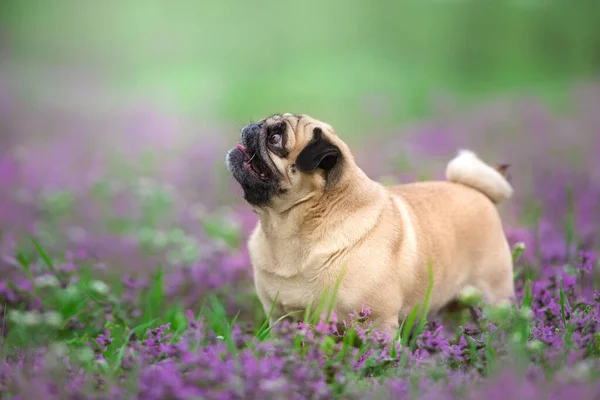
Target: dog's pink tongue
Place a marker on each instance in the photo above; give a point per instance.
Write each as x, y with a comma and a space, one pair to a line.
241, 147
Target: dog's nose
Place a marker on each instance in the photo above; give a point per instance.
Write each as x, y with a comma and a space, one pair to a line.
251, 130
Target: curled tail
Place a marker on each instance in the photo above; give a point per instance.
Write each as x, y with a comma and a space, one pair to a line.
468, 169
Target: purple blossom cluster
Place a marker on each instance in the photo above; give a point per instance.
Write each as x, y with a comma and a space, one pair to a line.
126, 276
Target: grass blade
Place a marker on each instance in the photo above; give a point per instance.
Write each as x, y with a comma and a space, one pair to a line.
528, 296
155, 296
3, 326
307, 312
562, 307
407, 326
121, 352
265, 325
569, 222
336, 289
266, 332
43, 254
26, 265
518, 251
423, 317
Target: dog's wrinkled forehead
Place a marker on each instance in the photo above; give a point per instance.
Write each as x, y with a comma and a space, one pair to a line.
299, 127
284, 117
291, 120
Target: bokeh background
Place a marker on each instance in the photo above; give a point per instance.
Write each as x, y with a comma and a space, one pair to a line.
115, 116
353, 63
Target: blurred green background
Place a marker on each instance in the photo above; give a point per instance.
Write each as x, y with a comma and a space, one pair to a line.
360, 65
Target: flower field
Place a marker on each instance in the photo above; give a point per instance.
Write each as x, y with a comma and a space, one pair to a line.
124, 272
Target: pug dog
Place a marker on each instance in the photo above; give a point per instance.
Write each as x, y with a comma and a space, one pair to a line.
322, 220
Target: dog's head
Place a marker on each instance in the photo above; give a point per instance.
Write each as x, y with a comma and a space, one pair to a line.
287, 159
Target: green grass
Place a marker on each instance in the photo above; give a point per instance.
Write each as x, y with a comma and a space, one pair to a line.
513, 322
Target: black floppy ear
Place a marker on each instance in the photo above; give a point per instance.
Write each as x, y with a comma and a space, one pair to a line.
319, 153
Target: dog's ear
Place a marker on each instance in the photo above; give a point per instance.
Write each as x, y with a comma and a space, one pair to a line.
319, 153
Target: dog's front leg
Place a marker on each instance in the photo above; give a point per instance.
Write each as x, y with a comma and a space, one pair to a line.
389, 325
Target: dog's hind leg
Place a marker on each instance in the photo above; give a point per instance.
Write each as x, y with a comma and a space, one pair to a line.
499, 285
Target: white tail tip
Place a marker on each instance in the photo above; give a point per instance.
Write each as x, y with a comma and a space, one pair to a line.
468, 169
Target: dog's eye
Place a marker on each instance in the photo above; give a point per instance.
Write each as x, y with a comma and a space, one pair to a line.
275, 139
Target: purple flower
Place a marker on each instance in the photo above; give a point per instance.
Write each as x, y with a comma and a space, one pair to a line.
104, 339
433, 340
568, 280
586, 261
